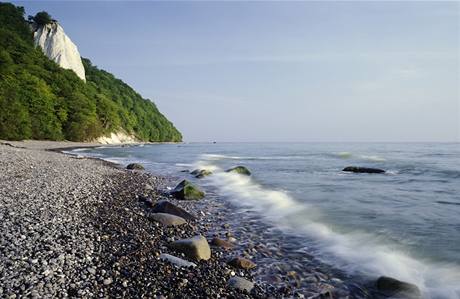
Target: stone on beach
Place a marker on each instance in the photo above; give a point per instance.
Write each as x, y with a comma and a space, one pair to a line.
176, 260
135, 166
240, 170
242, 263
201, 173
167, 207
357, 169
187, 191
396, 288
221, 243
196, 248
167, 219
241, 284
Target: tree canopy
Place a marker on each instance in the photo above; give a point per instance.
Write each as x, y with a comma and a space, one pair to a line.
42, 18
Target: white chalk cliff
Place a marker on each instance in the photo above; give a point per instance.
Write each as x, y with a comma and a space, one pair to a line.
58, 47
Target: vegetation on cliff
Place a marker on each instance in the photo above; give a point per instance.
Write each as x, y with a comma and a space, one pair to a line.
40, 100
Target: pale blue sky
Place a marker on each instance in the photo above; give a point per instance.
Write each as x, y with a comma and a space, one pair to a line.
281, 71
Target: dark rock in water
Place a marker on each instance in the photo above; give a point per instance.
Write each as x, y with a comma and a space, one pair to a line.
221, 243
187, 191
135, 166
240, 170
242, 263
201, 173
398, 289
167, 219
165, 206
196, 248
241, 284
363, 169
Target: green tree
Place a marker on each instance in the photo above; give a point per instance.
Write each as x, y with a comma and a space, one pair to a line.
42, 18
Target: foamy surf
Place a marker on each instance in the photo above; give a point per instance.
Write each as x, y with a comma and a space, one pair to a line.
356, 252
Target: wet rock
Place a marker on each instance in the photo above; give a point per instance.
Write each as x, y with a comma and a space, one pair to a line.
201, 173
196, 248
222, 243
396, 288
239, 169
241, 284
362, 169
187, 191
167, 219
242, 263
176, 261
167, 207
135, 166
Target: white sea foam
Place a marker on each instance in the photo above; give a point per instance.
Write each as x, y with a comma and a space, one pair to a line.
357, 252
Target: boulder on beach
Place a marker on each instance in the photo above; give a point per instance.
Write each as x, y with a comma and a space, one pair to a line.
221, 243
164, 206
242, 263
241, 284
176, 260
398, 289
201, 173
135, 166
357, 169
187, 191
240, 170
167, 219
195, 248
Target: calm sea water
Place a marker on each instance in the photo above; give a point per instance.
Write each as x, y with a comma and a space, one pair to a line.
404, 223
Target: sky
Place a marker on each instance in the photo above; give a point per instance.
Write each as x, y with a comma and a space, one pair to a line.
281, 71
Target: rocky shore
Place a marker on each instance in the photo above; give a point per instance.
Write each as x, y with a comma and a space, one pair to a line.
82, 227
75, 227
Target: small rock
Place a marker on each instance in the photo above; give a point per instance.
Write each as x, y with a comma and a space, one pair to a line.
240, 170
167, 219
221, 243
362, 169
187, 191
107, 281
167, 207
242, 263
195, 248
176, 261
396, 288
135, 166
241, 284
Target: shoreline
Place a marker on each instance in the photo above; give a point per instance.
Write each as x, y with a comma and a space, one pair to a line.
92, 235
127, 206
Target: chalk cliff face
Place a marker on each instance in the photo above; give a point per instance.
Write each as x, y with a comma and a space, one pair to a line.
58, 47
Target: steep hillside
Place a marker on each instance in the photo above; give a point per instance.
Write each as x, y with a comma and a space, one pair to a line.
41, 100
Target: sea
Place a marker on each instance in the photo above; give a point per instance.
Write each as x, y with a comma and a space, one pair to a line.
404, 223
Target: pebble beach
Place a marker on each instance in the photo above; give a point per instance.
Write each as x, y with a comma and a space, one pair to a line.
77, 227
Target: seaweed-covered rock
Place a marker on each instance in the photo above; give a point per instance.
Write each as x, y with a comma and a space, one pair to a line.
240, 170
187, 191
201, 173
396, 288
196, 248
357, 169
135, 166
164, 206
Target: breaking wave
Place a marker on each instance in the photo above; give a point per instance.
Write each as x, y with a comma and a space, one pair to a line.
356, 252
